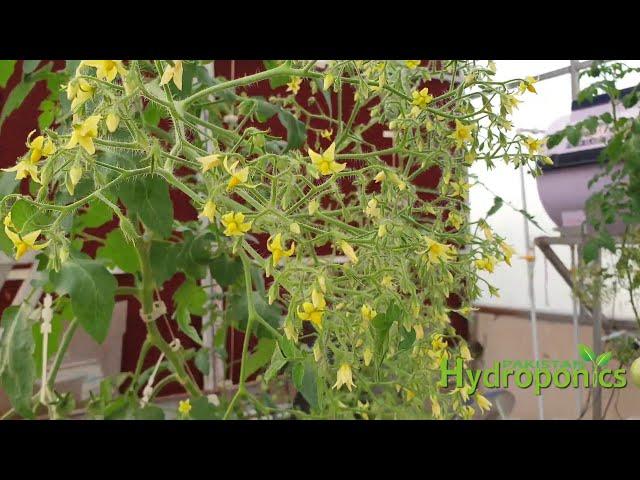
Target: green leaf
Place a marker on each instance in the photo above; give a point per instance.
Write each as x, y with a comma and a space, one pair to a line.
119, 251
497, 205
15, 99
407, 339
17, 370
237, 312
6, 70
308, 385
148, 197
29, 66
296, 132
586, 353
573, 135
8, 183
45, 119
95, 216
278, 80
590, 250
277, 363
297, 375
189, 299
195, 254
225, 270
260, 356
163, 258
150, 412
555, 139
152, 114
604, 358
203, 409
92, 289
202, 360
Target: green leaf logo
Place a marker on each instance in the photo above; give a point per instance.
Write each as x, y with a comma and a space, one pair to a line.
586, 353
603, 359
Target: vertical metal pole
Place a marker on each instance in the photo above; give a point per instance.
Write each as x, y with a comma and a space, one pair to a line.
597, 341
576, 331
532, 298
575, 79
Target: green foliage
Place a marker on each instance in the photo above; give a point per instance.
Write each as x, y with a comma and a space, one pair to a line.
17, 371
92, 289
147, 198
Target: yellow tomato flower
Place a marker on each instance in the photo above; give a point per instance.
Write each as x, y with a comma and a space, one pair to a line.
368, 356
75, 174
367, 313
314, 205
278, 252
184, 407
508, 252
40, 147
396, 180
107, 69
437, 252
412, 64
313, 311
8, 222
294, 85
79, 91
462, 133
469, 158
209, 211
173, 72
24, 169
344, 377
527, 84
435, 407
465, 353
486, 263
290, 331
387, 282
295, 228
349, 251
24, 243
488, 234
382, 230
437, 342
235, 224
483, 403
421, 98
509, 102
380, 177
454, 219
84, 134
326, 162
329, 78
317, 352
419, 331
209, 162
112, 122
372, 210
533, 144
238, 176
326, 134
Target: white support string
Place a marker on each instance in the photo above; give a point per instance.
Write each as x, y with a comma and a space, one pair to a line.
532, 298
45, 329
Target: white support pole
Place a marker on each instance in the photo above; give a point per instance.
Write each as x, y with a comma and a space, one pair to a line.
576, 331
216, 370
532, 298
